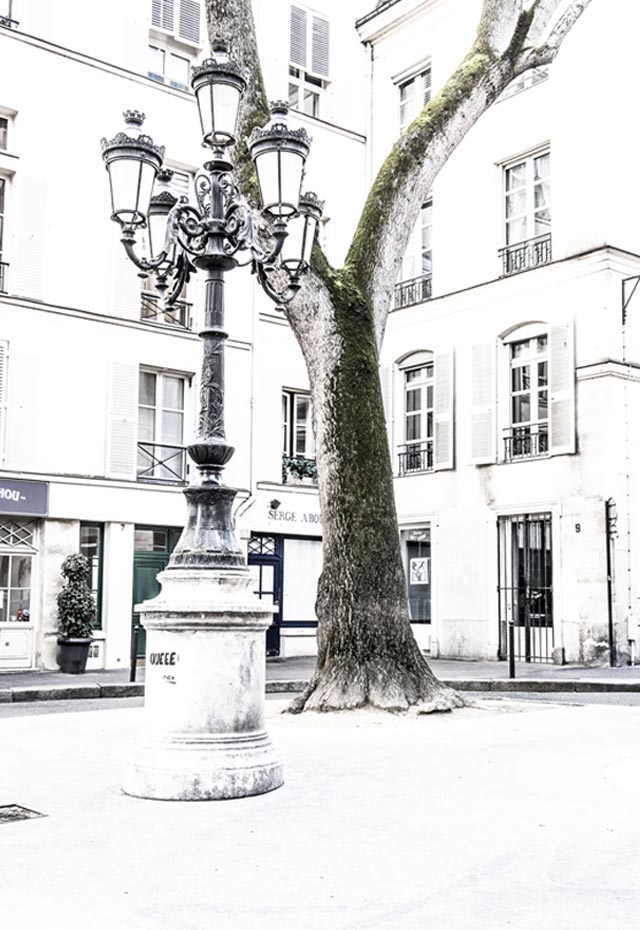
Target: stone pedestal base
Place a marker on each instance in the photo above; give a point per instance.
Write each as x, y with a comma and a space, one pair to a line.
204, 736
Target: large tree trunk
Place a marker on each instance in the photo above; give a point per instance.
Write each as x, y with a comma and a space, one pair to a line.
367, 654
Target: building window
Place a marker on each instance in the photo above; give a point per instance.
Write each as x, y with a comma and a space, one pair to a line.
528, 435
17, 548
4, 133
169, 68
91, 546
527, 213
417, 555
413, 95
417, 452
308, 60
175, 29
298, 448
529, 79
3, 264
161, 453
415, 283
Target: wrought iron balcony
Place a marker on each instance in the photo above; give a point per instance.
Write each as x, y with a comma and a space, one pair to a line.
526, 442
415, 457
521, 256
413, 291
160, 462
298, 467
179, 314
3, 277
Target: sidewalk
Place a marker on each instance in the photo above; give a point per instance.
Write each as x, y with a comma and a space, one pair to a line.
291, 675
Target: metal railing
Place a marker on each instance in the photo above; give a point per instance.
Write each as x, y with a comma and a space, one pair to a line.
298, 467
526, 442
413, 291
161, 462
3, 277
178, 315
415, 457
524, 255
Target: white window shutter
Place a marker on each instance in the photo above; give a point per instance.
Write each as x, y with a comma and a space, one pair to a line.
320, 46
123, 415
156, 13
443, 411
4, 359
562, 426
385, 387
189, 21
298, 37
162, 14
483, 396
31, 198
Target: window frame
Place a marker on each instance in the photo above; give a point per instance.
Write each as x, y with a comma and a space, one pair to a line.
291, 424
158, 470
99, 568
530, 212
409, 80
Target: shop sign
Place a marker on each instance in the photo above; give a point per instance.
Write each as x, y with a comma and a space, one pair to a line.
292, 517
29, 498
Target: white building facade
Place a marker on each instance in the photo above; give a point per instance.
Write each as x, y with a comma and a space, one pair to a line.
509, 369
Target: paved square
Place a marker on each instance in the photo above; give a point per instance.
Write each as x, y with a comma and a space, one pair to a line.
504, 815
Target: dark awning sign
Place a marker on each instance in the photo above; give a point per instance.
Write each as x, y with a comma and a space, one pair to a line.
29, 498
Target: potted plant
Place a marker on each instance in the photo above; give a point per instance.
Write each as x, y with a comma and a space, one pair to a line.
76, 611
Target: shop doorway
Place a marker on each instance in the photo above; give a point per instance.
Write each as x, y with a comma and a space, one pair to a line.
525, 572
153, 546
265, 564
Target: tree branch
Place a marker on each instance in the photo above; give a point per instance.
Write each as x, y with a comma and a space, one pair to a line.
545, 53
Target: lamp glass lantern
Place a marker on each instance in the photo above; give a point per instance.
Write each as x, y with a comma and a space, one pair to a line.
301, 229
218, 84
279, 154
133, 161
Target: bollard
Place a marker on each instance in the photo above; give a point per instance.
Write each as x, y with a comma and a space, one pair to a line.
134, 653
512, 650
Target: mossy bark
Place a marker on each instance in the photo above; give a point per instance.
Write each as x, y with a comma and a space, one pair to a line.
367, 654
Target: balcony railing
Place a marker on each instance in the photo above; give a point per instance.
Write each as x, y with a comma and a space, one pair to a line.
415, 457
298, 467
524, 255
3, 277
413, 291
160, 462
178, 315
526, 442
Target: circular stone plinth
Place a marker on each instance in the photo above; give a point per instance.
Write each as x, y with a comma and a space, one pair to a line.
192, 767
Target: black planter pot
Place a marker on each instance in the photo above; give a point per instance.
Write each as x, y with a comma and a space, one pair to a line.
73, 654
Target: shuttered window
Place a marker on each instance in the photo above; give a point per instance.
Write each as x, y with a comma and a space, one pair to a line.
424, 412
182, 18
123, 394
309, 41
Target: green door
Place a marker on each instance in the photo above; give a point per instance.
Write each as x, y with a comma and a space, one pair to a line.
152, 549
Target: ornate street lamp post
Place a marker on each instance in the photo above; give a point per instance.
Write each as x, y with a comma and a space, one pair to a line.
204, 690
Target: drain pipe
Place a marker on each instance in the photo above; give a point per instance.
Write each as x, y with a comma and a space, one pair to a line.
609, 519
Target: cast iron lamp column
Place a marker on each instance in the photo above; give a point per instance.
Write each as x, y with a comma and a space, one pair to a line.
204, 735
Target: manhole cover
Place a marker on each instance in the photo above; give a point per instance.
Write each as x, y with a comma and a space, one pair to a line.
11, 812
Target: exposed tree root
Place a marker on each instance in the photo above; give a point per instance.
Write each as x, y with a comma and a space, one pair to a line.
393, 690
